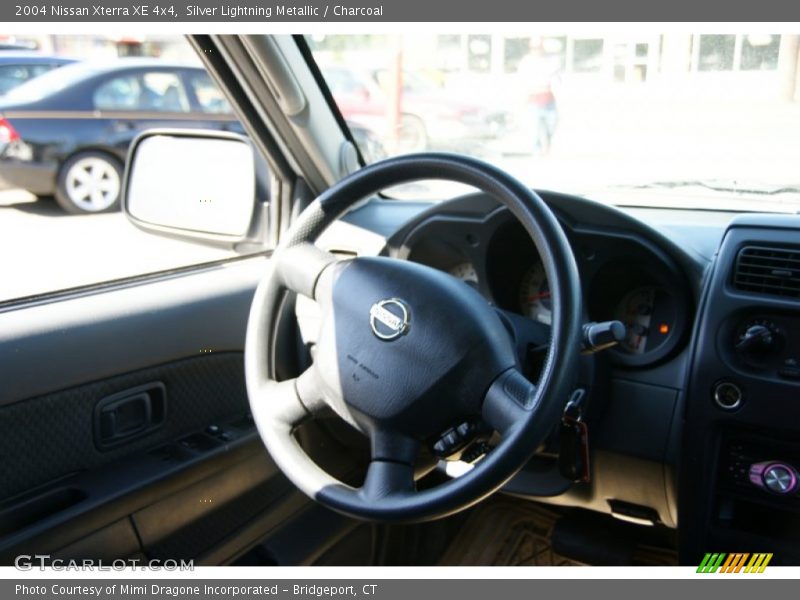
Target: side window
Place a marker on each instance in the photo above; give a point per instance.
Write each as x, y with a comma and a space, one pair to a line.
95, 105
163, 92
209, 96
148, 92
120, 93
12, 76
36, 70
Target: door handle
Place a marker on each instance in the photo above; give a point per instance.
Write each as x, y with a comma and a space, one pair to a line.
129, 415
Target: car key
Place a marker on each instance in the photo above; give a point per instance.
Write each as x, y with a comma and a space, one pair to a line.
573, 457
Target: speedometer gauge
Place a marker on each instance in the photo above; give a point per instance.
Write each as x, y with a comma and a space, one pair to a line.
466, 272
635, 310
534, 295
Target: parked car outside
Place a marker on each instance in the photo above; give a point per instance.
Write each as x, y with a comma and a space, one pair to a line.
67, 132
17, 68
430, 116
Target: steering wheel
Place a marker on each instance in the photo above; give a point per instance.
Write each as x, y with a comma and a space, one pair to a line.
407, 353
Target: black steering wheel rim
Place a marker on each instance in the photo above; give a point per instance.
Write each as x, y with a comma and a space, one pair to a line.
526, 418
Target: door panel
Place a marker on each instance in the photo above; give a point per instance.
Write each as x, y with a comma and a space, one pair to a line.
53, 435
198, 477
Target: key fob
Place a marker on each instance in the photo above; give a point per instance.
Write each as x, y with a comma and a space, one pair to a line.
573, 457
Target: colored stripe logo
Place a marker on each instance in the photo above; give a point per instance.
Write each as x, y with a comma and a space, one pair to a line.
737, 562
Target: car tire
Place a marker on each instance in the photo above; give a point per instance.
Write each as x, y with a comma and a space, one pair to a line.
412, 135
89, 182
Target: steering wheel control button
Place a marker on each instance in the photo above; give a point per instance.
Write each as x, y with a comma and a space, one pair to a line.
458, 438
449, 443
776, 477
728, 395
389, 319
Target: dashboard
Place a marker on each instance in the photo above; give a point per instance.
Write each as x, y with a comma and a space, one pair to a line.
694, 417
632, 267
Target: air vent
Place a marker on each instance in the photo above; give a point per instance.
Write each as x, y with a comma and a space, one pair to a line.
764, 270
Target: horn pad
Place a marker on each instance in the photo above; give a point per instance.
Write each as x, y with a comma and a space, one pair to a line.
407, 347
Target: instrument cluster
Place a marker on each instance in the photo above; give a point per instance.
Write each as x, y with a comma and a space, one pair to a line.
624, 278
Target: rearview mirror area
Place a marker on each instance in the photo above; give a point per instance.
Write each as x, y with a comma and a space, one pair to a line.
193, 184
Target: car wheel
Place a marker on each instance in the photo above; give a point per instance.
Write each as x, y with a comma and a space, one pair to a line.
412, 135
89, 182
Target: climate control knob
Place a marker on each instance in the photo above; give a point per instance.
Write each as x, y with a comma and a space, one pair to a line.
776, 477
758, 342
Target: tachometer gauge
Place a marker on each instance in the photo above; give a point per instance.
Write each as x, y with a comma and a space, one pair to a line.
465, 271
635, 310
534, 295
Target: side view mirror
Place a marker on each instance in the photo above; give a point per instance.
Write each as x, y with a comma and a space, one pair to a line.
201, 185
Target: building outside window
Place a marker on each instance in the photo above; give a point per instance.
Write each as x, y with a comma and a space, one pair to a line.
479, 48
758, 52
587, 56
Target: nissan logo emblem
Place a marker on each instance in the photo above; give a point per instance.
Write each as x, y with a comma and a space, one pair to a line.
389, 319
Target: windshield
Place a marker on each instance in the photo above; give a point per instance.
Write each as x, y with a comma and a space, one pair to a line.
708, 120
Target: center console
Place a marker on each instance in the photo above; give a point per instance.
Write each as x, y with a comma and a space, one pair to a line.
739, 479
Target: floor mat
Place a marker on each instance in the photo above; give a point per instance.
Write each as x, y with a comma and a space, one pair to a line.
505, 533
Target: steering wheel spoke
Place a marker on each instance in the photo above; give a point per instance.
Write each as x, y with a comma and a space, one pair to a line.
391, 470
301, 266
509, 402
386, 478
288, 403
